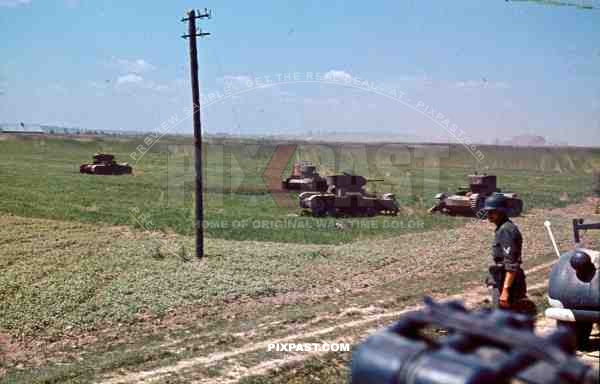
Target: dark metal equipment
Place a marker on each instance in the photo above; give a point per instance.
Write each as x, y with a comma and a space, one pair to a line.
471, 348
578, 225
346, 196
469, 200
192, 34
104, 164
574, 288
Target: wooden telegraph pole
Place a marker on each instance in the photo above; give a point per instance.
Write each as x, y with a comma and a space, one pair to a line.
192, 34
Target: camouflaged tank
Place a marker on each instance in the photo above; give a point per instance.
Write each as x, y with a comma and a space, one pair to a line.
469, 200
104, 164
346, 196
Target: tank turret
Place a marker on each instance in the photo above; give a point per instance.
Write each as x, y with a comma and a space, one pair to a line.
304, 177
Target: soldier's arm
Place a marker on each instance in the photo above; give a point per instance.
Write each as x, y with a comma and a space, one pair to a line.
509, 279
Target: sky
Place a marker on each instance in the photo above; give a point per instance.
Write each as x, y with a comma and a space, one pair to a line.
493, 69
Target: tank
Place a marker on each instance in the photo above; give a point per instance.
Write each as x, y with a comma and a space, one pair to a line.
345, 195
469, 200
574, 287
304, 177
104, 164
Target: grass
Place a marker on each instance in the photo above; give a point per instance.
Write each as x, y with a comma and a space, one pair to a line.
60, 275
40, 179
95, 269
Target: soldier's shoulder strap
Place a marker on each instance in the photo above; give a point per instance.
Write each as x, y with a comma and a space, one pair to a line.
509, 226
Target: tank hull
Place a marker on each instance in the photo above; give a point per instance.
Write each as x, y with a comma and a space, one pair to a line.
105, 169
326, 204
304, 184
105, 164
456, 205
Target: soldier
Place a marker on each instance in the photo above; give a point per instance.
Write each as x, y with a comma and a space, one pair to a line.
506, 279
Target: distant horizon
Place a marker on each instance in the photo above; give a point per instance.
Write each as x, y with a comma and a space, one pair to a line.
348, 137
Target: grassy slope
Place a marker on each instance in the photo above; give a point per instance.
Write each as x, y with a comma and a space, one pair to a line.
62, 278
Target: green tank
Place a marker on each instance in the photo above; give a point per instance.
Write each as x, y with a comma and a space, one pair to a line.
346, 196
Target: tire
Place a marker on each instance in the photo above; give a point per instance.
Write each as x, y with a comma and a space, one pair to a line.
330, 210
370, 212
581, 331
318, 208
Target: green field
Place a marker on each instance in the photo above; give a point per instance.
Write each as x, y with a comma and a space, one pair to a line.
86, 292
40, 178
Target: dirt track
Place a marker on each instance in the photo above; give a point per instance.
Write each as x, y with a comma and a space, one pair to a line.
249, 359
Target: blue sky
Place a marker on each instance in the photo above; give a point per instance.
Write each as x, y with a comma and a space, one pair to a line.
495, 69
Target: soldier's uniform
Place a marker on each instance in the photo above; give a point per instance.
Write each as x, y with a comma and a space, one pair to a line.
506, 253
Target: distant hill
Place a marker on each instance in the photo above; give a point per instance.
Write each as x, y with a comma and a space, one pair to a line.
527, 141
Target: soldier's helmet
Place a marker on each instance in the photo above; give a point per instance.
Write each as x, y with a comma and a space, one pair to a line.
496, 202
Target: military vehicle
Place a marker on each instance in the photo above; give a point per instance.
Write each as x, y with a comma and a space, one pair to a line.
446, 343
346, 196
469, 200
104, 164
574, 286
304, 177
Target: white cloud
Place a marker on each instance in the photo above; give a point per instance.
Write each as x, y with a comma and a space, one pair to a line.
158, 87
424, 77
130, 78
99, 85
338, 74
136, 81
132, 66
469, 84
14, 3
483, 83
321, 100
426, 81
236, 78
72, 3
235, 81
